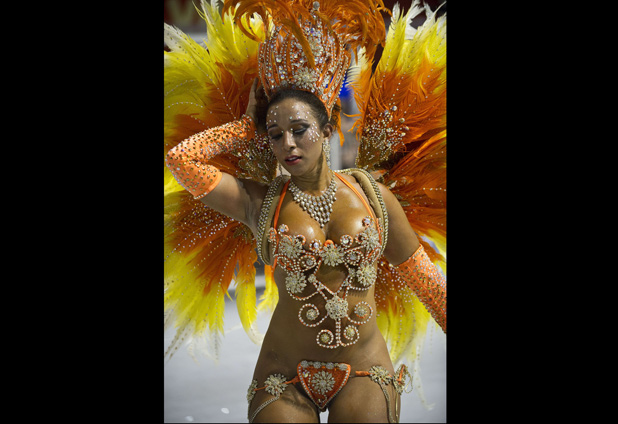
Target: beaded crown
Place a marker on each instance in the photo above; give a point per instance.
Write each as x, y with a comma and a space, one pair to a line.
283, 63
309, 45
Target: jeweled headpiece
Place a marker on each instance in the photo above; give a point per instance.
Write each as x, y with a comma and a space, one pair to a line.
309, 44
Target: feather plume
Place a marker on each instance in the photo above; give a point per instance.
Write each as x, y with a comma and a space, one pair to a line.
358, 23
207, 87
405, 99
402, 120
246, 297
204, 250
270, 297
401, 128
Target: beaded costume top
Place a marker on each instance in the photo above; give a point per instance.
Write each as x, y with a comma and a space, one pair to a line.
302, 259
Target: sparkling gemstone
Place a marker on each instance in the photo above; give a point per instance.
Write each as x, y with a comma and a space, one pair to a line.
360, 310
350, 332
337, 307
312, 314
323, 382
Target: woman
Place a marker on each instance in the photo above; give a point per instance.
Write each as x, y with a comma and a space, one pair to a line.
297, 126
323, 232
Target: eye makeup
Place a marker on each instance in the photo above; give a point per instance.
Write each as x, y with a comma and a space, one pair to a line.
300, 115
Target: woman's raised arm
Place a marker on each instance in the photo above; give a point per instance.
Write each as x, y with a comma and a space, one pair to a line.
188, 162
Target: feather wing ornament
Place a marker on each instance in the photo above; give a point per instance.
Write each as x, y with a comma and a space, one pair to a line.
358, 23
205, 250
401, 130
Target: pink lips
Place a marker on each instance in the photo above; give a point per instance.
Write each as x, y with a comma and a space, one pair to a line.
292, 160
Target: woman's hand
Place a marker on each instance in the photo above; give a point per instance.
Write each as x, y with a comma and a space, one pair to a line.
257, 106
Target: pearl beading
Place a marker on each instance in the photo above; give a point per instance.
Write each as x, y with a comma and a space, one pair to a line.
360, 262
273, 189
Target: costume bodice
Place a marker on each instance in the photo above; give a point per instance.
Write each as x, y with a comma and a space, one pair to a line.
358, 253
301, 259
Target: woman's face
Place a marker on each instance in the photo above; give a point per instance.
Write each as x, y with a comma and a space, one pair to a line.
294, 136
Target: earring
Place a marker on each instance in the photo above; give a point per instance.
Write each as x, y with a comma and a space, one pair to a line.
326, 149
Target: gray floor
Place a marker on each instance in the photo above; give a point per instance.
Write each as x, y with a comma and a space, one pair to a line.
209, 392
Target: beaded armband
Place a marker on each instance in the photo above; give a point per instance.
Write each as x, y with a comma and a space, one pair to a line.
424, 279
188, 161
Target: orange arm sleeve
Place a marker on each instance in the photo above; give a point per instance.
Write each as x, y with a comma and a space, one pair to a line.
188, 161
421, 275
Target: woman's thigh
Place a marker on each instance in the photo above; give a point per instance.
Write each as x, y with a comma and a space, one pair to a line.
363, 401
291, 407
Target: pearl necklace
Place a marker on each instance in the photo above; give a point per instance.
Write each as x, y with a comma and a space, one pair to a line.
319, 207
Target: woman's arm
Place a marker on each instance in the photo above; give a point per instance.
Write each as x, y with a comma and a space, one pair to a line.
402, 241
410, 261
188, 162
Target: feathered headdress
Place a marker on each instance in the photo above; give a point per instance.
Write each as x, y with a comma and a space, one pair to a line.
309, 44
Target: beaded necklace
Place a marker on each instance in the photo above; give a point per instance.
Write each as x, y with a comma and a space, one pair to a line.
318, 207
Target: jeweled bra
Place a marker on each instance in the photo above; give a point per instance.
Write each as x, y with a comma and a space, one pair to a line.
357, 253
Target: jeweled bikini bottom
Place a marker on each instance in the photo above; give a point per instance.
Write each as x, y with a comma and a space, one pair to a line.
322, 381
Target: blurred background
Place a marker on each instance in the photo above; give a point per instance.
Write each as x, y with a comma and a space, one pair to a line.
215, 391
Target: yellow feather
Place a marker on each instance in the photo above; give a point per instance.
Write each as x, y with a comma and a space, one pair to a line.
245, 296
205, 87
401, 318
270, 297
195, 77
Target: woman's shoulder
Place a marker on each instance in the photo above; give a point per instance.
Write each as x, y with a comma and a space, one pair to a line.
364, 179
355, 176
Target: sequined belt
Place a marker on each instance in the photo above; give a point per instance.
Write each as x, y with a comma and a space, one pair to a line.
323, 380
